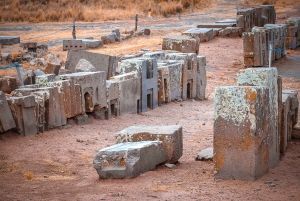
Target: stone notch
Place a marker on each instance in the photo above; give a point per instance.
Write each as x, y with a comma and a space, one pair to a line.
266, 77
241, 149
185, 44
101, 62
171, 137
6, 118
24, 110
129, 159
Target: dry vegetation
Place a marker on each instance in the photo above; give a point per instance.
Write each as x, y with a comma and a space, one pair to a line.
90, 10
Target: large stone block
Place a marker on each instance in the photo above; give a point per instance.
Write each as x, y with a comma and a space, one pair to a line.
201, 78
215, 25
294, 105
9, 40
158, 55
101, 62
185, 44
6, 118
201, 34
285, 122
171, 136
113, 98
24, 110
254, 48
8, 84
74, 44
231, 32
241, 149
129, 159
266, 77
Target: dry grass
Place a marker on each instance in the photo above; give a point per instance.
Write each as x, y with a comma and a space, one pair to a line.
0, 49
15, 54
28, 175
92, 10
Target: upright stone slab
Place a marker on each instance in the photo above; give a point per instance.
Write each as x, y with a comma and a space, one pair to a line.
24, 110
185, 44
254, 43
171, 136
74, 44
8, 84
231, 32
285, 122
158, 55
241, 149
294, 105
201, 78
266, 77
101, 62
201, 34
9, 40
215, 25
129, 159
6, 118
113, 98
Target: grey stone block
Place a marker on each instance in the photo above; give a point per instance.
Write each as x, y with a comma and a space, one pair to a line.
205, 155
266, 77
171, 136
82, 119
231, 32
241, 148
285, 122
201, 34
101, 62
158, 55
185, 44
294, 104
91, 43
129, 159
6, 118
9, 40
215, 25
74, 44
84, 66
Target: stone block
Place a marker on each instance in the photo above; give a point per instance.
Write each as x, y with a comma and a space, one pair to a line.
93, 88
201, 34
241, 149
183, 44
269, 12
42, 99
231, 21
107, 39
216, 31
215, 25
7, 120
91, 43
164, 90
205, 155
8, 84
285, 122
113, 98
294, 105
296, 132
291, 42
129, 159
74, 44
84, 66
117, 34
9, 40
158, 55
254, 43
52, 68
231, 32
82, 119
101, 62
201, 78
171, 137
24, 110
240, 21
266, 77
130, 92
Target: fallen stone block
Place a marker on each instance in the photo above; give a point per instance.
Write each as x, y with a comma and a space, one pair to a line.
84, 66
73, 44
6, 118
64, 71
183, 44
201, 78
231, 21
266, 77
216, 31
9, 40
107, 39
52, 68
171, 136
113, 98
201, 34
126, 36
296, 132
285, 122
8, 84
129, 159
231, 32
205, 155
294, 105
215, 25
24, 110
117, 34
30, 46
101, 62
241, 148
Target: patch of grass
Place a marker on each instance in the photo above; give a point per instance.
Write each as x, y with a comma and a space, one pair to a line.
28, 175
15, 54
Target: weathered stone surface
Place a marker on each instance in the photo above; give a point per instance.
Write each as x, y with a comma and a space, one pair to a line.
24, 111
185, 44
6, 118
101, 62
84, 66
158, 55
64, 71
241, 149
296, 132
201, 34
9, 40
91, 43
74, 44
231, 32
41, 79
8, 84
201, 78
205, 155
215, 25
285, 122
171, 136
294, 105
130, 92
52, 68
266, 77
82, 119
117, 34
129, 159
230, 20
279, 99
164, 90
107, 39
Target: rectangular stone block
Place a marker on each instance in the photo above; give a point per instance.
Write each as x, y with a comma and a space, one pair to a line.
285, 122
91, 43
231, 32
130, 92
296, 132
241, 149
164, 88
24, 110
171, 137
130, 159
8, 84
101, 62
215, 25
201, 34
113, 98
6, 118
158, 55
266, 77
254, 48
294, 105
291, 42
9, 40
185, 44
201, 78
279, 118
74, 44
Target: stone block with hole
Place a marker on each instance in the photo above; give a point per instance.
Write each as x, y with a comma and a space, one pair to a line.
171, 136
73, 44
129, 159
201, 78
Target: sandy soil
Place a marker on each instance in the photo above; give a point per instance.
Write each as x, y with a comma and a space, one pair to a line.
60, 160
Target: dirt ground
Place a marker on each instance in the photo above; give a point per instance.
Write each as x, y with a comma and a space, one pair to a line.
60, 161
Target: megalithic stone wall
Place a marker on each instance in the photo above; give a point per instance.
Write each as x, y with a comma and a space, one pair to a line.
241, 149
266, 77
